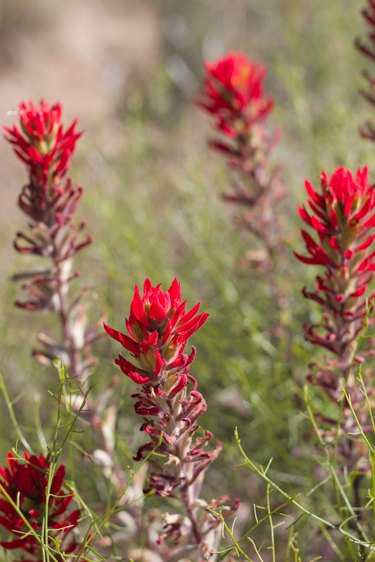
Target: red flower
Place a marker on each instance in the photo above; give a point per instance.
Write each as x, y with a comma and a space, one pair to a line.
233, 93
342, 216
26, 484
159, 329
42, 143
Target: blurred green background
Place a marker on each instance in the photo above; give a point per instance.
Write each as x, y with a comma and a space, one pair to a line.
129, 70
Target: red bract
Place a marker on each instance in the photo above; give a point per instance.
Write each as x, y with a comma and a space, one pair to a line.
26, 484
342, 216
233, 93
42, 143
159, 328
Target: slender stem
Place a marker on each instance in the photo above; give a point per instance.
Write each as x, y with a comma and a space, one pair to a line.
258, 470
190, 513
67, 334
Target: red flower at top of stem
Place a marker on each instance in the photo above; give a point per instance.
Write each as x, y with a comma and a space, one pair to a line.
24, 484
159, 328
342, 215
233, 93
42, 143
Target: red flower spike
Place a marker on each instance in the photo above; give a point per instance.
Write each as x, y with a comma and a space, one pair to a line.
343, 214
26, 484
49, 200
167, 399
233, 96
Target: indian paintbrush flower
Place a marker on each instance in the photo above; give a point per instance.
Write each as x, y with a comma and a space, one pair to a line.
24, 492
50, 200
159, 329
341, 215
167, 398
233, 94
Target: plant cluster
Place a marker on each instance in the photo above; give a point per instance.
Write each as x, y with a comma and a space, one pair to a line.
157, 511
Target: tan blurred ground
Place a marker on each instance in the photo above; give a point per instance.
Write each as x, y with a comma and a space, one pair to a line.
81, 52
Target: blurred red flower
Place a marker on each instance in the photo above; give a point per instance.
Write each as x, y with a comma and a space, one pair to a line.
26, 483
233, 93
